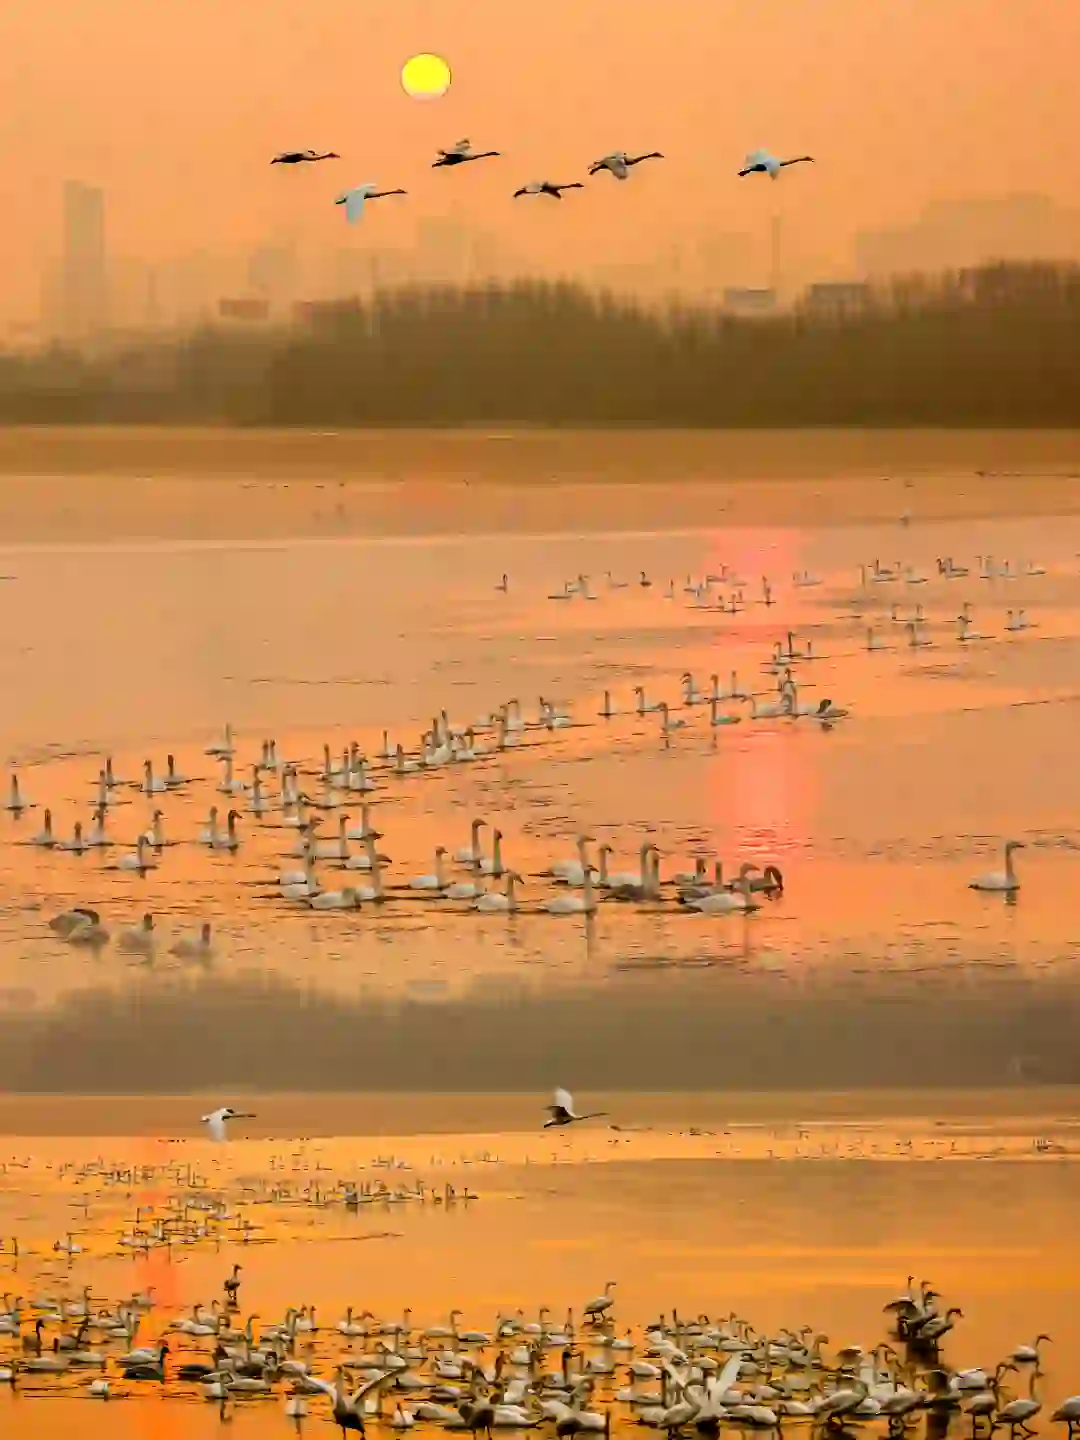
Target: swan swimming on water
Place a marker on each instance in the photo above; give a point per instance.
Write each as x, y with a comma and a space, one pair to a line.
194, 947
583, 904
15, 802
494, 902
138, 939
1000, 880
139, 860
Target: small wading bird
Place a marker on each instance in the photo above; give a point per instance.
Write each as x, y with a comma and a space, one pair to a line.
545, 187
561, 1111
618, 163
301, 157
760, 162
460, 153
216, 1121
354, 199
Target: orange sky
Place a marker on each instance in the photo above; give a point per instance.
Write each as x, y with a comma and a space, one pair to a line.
176, 106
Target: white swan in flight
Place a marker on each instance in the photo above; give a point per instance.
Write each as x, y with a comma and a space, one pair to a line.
760, 162
354, 199
1006, 879
460, 153
545, 187
561, 1111
618, 163
216, 1121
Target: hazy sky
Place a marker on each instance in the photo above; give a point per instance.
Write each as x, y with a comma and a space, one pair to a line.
176, 107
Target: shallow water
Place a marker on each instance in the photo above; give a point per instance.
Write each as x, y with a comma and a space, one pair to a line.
137, 648
322, 620
788, 1213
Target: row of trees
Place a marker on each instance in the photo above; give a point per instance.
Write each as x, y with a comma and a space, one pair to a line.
993, 346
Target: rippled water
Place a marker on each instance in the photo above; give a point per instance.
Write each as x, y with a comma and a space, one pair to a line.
877, 964
786, 1210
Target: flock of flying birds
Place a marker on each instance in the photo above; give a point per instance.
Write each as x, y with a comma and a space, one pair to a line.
619, 163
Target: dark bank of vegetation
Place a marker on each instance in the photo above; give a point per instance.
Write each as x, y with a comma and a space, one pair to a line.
716, 1029
996, 346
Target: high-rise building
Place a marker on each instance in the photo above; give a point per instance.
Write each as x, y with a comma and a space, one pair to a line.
84, 294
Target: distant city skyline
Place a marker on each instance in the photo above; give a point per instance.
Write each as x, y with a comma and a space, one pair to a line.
87, 291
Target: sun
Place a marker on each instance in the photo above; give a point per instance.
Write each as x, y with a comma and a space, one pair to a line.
425, 77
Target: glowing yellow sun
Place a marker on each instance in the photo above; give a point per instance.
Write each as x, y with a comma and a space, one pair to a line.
425, 77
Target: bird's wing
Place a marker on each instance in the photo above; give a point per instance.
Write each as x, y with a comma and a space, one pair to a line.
215, 1123
369, 1385
617, 166
758, 157
563, 1100
729, 1374
354, 202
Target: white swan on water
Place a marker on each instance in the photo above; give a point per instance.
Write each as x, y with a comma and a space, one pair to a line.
304, 888
999, 880
139, 861
194, 947
345, 899
474, 850
724, 902
45, 837
15, 803
220, 748
573, 872
138, 939
495, 902
583, 904
629, 878
436, 881
466, 889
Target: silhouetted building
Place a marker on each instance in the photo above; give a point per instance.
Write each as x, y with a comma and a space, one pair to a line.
244, 309
83, 274
272, 270
836, 297
742, 301
952, 234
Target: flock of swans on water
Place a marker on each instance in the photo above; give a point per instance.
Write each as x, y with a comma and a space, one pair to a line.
276, 796
682, 1375
618, 163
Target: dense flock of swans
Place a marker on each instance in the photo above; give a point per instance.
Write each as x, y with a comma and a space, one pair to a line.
335, 860
680, 1374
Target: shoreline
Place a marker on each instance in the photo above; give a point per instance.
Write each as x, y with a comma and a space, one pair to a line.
92, 485
414, 1114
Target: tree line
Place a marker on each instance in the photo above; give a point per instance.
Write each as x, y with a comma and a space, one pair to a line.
993, 346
